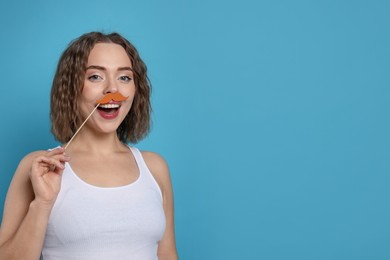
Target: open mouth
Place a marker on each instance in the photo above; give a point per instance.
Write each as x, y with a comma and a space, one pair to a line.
109, 111
109, 108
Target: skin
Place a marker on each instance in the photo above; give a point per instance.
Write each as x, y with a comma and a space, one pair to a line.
96, 155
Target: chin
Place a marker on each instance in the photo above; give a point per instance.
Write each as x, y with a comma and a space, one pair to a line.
108, 128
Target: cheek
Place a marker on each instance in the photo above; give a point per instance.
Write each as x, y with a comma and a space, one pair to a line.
128, 92
129, 103
91, 93
126, 106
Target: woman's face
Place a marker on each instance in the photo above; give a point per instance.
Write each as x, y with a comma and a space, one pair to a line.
109, 70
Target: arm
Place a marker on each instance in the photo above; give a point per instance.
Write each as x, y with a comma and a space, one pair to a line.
30, 197
158, 167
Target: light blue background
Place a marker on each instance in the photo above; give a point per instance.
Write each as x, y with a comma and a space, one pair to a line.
273, 115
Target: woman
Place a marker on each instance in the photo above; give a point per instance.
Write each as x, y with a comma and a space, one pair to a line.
99, 199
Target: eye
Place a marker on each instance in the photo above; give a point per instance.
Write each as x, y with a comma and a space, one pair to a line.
95, 77
125, 78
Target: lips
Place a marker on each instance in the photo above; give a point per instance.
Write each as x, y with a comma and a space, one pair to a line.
110, 110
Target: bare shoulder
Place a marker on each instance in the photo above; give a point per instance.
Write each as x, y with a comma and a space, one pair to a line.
27, 160
20, 186
21, 174
155, 161
31, 156
158, 167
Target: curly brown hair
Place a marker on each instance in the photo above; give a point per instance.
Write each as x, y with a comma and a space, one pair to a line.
68, 84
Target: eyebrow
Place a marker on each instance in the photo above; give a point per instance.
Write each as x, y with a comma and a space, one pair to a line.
103, 68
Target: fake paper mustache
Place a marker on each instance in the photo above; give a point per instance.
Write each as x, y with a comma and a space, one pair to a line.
111, 96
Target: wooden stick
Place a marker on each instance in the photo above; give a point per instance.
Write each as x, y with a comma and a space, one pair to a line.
81, 126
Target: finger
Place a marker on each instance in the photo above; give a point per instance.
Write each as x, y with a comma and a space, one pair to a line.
52, 168
52, 161
42, 165
62, 157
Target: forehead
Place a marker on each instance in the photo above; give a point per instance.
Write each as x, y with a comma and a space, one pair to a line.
108, 54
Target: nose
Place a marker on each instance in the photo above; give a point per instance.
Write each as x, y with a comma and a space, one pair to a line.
111, 86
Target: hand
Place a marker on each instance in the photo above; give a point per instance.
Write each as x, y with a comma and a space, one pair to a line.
46, 174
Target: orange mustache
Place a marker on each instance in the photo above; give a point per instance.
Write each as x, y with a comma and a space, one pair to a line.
111, 96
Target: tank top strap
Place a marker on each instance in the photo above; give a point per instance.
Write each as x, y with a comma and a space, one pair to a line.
138, 157
144, 169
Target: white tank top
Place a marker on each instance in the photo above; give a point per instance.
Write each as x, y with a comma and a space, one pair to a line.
96, 223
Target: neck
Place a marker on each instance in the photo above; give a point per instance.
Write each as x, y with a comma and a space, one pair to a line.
95, 143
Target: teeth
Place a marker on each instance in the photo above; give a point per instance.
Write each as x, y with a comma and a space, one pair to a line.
109, 106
